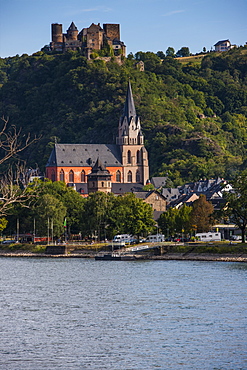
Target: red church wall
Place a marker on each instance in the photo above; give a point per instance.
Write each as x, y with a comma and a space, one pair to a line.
53, 173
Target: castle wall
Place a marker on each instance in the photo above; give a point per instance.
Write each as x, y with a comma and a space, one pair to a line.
112, 31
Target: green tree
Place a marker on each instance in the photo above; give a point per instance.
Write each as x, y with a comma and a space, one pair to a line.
50, 214
183, 219
237, 202
170, 52
201, 214
168, 222
133, 215
183, 52
3, 223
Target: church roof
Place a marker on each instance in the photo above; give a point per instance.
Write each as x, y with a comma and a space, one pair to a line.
84, 155
129, 106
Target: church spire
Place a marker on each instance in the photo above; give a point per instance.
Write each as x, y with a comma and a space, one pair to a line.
129, 106
129, 128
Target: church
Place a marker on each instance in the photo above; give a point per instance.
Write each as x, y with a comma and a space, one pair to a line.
119, 168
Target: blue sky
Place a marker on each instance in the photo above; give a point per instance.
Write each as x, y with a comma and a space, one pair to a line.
146, 25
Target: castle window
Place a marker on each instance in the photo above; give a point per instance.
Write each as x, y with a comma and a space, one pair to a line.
53, 175
129, 177
83, 177
71, 176
138, 177
118, 176
129, 156
61, 175
138, 156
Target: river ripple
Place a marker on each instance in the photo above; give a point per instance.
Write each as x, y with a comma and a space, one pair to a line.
86, 314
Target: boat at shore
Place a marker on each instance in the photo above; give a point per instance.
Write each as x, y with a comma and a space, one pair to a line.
108, 257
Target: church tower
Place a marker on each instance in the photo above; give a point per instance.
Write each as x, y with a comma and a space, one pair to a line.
131, 142
99, 179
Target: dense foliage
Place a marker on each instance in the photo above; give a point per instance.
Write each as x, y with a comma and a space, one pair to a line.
194, 114
100, 215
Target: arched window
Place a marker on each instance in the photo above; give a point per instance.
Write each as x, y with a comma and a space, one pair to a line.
129, 177
102, 184
61, 175
83, 176
118, 176
71, 176
129, 156
53, 175
138, 177
138, 156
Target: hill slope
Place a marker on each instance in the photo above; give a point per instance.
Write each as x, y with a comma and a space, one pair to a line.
194, 115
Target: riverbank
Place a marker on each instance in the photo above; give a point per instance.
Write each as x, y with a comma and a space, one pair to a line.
135, 257
224, 252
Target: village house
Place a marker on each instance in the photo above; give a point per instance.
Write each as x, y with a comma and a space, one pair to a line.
223, 45
155, 199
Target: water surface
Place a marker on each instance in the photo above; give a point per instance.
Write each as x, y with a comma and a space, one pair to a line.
86, 314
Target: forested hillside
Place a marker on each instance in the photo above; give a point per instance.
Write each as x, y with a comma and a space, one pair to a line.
193, 115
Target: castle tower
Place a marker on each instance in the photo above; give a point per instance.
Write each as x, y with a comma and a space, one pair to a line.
131, 142
99, 179
56, 32
72, 32
112, 31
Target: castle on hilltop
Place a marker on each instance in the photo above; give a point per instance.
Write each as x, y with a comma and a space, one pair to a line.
88, 39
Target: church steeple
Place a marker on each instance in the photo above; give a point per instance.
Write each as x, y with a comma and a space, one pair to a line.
129, 107
129, 128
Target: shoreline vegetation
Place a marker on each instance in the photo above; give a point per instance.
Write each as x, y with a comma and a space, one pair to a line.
222, 251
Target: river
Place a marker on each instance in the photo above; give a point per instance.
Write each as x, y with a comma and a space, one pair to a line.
85, 314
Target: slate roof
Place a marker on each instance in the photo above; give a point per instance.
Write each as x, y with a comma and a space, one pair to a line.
146, 194
84, 155
221, 42
122, 188
158, 181
72, 27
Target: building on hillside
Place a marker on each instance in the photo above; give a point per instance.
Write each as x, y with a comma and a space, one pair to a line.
88, 39
223, 45
155, 199
213, 189
124, 164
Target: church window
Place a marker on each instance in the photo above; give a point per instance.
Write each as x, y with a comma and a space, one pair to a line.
138, 177
71, 176
138, 156
129, 156
61, 175
129, 177
53, 175
83, 177
118, 176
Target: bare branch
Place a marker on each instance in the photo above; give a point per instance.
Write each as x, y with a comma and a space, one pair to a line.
11, 143
12, 190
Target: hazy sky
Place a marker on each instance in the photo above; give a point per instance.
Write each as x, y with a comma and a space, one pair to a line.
146, 25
